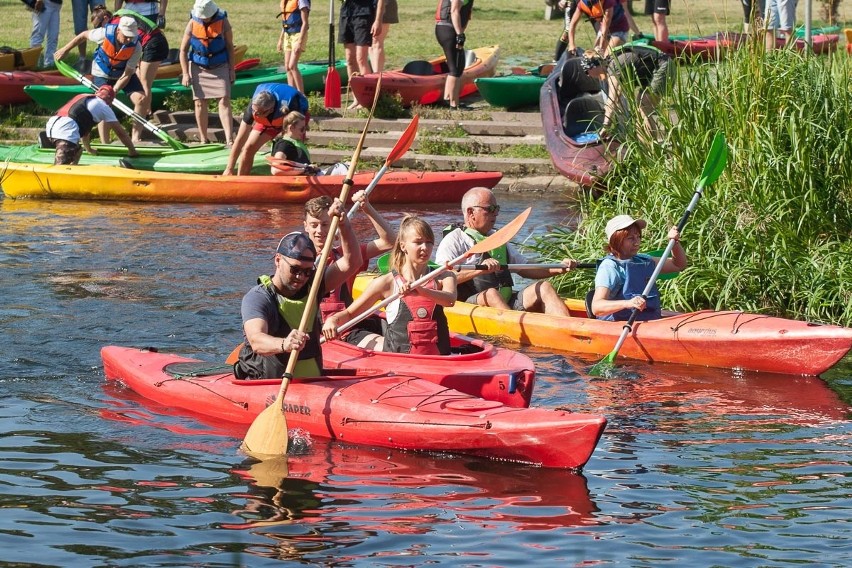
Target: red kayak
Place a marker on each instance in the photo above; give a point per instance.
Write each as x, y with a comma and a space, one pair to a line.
12, 84
385, 410
474, 367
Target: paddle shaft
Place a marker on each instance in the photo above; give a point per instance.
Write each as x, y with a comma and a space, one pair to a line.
561, 267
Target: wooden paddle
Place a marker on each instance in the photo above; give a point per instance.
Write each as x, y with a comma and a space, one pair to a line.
400, 148
267, 435
332, 78
713, 168
492, 241
69, 71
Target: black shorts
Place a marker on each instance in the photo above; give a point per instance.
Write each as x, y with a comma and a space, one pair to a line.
356, 29
156, 48
370, 326
446, 37
391, 15
656, 7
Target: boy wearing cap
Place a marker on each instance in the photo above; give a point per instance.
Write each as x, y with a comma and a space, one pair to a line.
73, 124
273, 309
623, 274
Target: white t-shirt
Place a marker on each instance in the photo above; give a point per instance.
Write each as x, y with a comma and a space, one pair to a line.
98, 35
65, 128
458, 242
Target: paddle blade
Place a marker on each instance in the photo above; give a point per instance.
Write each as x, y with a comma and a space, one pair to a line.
405, 141
267, 435
502, 236
717, 158
332, 88
604, 367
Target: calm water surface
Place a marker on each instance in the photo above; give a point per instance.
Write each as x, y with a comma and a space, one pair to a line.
697, 467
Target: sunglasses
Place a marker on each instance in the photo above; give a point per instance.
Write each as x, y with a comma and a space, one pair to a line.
298, 271
490, 209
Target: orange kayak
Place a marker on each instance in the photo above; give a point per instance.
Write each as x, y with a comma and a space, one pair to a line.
383, 410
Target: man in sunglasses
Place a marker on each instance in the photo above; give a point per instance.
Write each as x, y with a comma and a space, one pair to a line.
272, 310
493, 286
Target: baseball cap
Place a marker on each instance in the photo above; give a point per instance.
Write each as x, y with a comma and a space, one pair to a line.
622, 222
106, 93
204, 9
127, 26
297, 245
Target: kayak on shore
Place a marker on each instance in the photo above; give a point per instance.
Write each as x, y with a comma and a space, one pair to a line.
357, 407
724, 339
120, 184
517, 90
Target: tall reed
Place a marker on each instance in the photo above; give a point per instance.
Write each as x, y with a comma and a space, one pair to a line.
772, 235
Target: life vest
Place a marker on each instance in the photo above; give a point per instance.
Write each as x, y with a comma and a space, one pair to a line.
420, 326
292, 20
76, 110
283, 93
442, 13
207, 45
112, 57
338, 299
637, 273
501, 280
304, 156
595, 10
253, 366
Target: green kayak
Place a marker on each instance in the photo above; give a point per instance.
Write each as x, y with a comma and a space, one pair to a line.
52, 97
200, 159
517, 90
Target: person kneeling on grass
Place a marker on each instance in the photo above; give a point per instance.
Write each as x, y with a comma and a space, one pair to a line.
623, 274
415, 322
73, 124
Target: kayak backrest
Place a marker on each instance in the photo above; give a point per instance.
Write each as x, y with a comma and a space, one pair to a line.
589, 296
419, 67
583, 114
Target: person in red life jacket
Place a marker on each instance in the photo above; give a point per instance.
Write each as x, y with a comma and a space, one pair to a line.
493, 285
262, 121
611, 21
415, 322
115, 61
623, 274
73, 124
150, 18
451, 19
295, 21
208, 65
273, 309
317, 223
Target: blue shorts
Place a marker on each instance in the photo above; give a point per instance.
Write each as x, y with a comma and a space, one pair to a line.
134, 85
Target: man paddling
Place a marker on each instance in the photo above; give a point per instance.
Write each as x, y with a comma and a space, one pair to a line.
73, 123
273, 309
493, 285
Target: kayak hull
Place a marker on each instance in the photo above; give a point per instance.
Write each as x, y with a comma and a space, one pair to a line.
12, 84
120, 184
511, 91
475, 367
424, 89
400, 412
724, 339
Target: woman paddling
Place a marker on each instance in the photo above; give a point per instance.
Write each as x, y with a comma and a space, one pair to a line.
624, 272
416, 321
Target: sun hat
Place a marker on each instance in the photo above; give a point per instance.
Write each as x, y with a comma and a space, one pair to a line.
106, 93
622, 222
294, 245
127, 26
204, 9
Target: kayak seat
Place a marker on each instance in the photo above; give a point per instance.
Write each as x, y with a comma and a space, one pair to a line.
469, 58
589, 296
583, 114
419, 67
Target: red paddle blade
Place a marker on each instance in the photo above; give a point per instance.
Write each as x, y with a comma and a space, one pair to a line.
332, 88
405, 141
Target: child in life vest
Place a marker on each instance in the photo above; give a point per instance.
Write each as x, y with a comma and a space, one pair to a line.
415, 322
294, 38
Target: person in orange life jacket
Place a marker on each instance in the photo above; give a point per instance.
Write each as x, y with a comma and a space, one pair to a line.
451, 19
415, 322
263, 121
493, 285
610, 19
272, 310
150, 18
317, 222
208, 65
295, 17
115, 60
73, 123
623, 274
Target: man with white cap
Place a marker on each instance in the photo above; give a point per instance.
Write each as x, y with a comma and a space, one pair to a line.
624, 273
272, 310
116, 58
73, 123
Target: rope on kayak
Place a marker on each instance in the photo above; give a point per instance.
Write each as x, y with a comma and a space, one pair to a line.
243, 405
482, 426
739, 320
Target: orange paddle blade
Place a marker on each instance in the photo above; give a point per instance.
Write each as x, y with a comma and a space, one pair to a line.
502, 236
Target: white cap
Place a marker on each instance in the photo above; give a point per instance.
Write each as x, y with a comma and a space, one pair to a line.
622, 222
204, 9
127, 26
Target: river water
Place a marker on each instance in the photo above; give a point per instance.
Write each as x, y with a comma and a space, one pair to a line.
697, 467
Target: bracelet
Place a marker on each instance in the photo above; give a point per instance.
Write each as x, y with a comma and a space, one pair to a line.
282, 345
